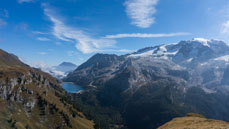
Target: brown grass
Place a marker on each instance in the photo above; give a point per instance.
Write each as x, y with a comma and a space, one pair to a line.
195, 121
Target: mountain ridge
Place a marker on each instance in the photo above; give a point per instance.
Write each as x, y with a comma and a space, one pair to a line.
166, 81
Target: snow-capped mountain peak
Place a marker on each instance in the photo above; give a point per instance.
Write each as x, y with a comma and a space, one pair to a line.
185, 51
223, 58
162, 51
202, 40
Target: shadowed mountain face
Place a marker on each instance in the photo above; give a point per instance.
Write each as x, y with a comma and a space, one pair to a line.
151, 86
66, 67
10, 60
33, 99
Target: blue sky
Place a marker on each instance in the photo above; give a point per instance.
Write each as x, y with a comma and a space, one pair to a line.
48, 32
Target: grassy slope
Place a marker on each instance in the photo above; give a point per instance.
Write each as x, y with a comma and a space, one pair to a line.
16, 112
51, 109
195, 121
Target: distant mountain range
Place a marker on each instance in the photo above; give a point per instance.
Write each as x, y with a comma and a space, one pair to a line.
155, 84
62, 70
32, 99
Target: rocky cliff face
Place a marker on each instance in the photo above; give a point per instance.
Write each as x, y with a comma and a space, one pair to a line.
151, 86
8, 84
30, 98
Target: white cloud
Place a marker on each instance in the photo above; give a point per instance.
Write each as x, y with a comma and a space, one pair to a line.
39, 33
225, 27
43, 39
40, 64
118, 50
84, 42
43, 53
25, 1
141, 12
125, 50
2, 22
122, 50
142, 35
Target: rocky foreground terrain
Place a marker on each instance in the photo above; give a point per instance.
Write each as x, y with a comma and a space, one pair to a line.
32, 99
195, 121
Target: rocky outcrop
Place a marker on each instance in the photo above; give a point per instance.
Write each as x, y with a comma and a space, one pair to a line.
8, 85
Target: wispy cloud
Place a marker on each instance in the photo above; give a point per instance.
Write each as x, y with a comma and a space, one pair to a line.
84, 42
43, 39
39, 33
120, 50
40, 64
125, 50
225, 27
142, 35
42, 53
25, 1
141, 12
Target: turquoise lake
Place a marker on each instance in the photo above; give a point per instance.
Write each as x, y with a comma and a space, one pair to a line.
71, 88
